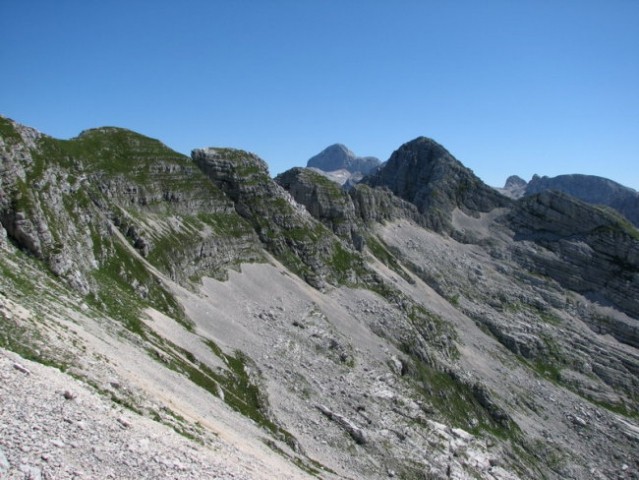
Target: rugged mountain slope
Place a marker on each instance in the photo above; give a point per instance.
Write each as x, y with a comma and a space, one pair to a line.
588, 188
597, 250
324, 200
288, 329
427, 175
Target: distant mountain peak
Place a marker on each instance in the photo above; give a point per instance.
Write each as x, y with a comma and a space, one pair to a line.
339, 147
338, 156
515, 181
425, 174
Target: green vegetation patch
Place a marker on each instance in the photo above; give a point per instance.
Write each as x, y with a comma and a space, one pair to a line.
229, 225
381, 251
27, 342
8, 131
113, 151
328, 186
234, 385
24, 280
127, 287
343, 263
459, 403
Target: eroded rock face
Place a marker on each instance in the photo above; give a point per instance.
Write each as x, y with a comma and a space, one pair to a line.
379, 205
324, 200
588, 188
347, 213
591, 189
587, 249
515, 187
63, 202
284, 226
425, 174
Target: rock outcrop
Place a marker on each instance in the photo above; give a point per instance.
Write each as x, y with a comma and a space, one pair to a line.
67, 202
324, 200
345, 212
590, 250
427, 175
515, 187
588, 188
284, 226
379, 205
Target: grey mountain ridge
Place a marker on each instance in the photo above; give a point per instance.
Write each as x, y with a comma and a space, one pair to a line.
589, 188
191, 317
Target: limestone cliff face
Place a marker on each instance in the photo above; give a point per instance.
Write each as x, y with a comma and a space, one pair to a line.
515, 187
427, 175
588, 188
285, 227
591, 189
379, 205
66, 201
347, 213
324, 200
587, 249
32, 194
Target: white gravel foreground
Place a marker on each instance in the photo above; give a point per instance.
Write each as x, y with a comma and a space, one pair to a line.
54, 427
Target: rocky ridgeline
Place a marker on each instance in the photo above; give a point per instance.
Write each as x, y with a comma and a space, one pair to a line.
587, 249
588, 188
286, 229
347, 212
324, 200
79, 205
425, 174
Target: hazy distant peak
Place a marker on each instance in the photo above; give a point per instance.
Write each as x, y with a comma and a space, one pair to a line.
515, 187
515, 181
338, 156
339, 147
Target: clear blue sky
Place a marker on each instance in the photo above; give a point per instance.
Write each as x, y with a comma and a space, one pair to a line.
509, 87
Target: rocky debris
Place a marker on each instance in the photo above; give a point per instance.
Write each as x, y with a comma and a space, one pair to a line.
44, 436
425, 174
4, 463
469, 355
522, 312
338, 157
68, 395
354, 431
21, 368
